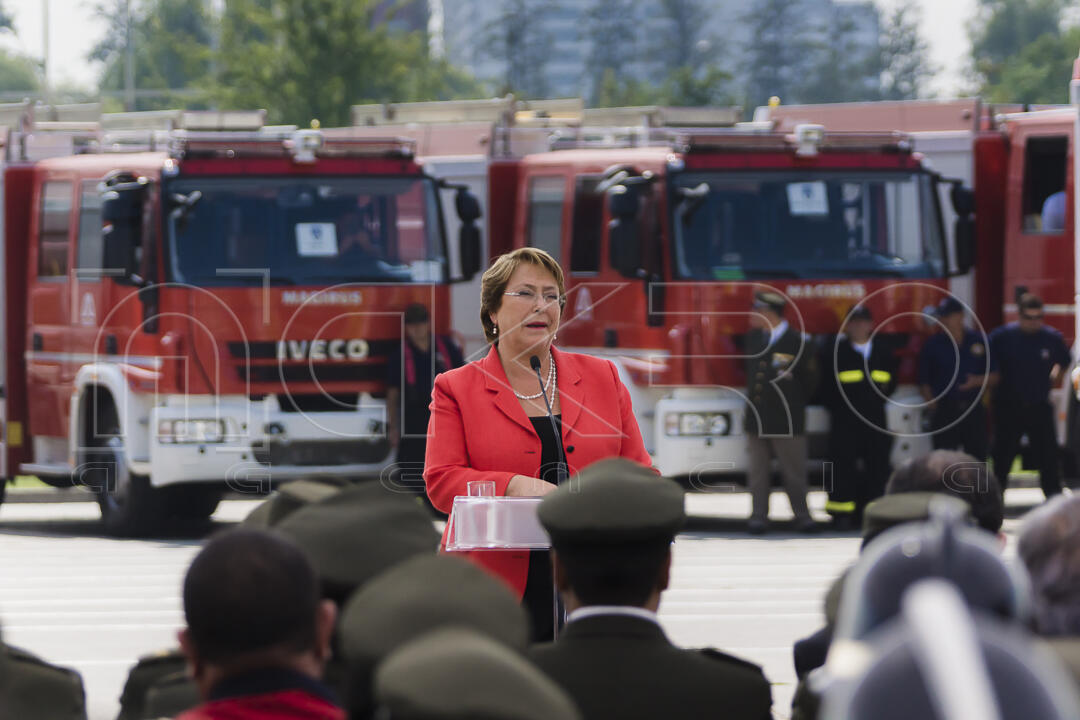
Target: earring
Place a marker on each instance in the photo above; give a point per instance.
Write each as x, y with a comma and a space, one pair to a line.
494, 329
554, 338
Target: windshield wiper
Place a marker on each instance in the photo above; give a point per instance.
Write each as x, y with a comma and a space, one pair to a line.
184, 205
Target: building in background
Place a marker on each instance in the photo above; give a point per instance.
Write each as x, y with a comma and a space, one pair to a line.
471, 34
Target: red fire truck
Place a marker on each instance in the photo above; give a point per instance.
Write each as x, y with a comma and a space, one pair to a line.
666, 235
1021, 164
212, 309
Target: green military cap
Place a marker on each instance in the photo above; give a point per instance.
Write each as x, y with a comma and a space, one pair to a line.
291, 497
33, 688
423, 594
353, 535
458, 674
171, 695
892, 510
612, 502
885, 513
767, 299
147, 671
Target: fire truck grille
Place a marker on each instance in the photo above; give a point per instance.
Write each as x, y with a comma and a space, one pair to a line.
321, 452
317, 373
268, 349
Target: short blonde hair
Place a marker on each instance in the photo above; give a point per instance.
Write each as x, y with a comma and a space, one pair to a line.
495, 279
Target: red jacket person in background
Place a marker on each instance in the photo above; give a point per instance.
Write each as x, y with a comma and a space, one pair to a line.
489, 420
258, 635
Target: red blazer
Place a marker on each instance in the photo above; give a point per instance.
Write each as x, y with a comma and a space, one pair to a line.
478, 431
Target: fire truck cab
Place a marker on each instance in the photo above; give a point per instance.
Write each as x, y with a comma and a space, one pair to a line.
212, 309
665, 235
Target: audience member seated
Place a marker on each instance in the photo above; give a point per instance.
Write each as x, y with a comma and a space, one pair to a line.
941, 659
349, 532
417, 597
455, 673
1049, 546
611, 530
258, 634
32, 688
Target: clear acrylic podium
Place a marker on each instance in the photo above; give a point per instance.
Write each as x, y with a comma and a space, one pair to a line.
494, 524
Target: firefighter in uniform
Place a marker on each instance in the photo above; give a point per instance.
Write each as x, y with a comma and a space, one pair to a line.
954, 366
864, 376
1028, 358
781, 374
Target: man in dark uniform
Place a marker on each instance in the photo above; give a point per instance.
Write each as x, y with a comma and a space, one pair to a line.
954, 365
411, 371
258, 634
456, 673
419, 596
864, 376
1029, 358
611, 530
349, 533
781, 374
32, 688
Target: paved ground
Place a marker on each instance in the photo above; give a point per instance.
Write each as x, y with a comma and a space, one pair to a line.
96, 604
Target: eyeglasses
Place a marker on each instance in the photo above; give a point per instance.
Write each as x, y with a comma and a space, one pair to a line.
1024, 316
530, 296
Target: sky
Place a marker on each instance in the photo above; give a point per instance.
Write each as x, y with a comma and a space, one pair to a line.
74, 29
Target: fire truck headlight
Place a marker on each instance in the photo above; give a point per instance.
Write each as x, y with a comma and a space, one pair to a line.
209, 430
720, 424
690, 424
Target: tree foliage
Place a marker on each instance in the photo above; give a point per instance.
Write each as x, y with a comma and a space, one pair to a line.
905, 55
171, 42
1021, 52
313, 59
517, 39
844, 68
612, 26
779, 53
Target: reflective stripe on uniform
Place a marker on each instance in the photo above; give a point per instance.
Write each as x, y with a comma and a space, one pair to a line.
880, 376
834, 506
850, 376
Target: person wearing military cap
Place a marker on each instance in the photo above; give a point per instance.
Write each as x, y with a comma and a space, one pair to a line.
416, 597
864, 373
33, 688
611, 531
459, 674
350, 533
257, 634
781, 375
954, 367
1049, 547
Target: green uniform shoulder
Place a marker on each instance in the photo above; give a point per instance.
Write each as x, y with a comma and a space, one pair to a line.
720, 656
148, 670
35, 688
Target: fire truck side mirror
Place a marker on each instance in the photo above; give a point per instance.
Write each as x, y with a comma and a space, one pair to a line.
122, 213
963, 202
624, 240
468, 211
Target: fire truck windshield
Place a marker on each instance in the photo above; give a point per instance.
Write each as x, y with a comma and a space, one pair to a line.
801, 224
303, 231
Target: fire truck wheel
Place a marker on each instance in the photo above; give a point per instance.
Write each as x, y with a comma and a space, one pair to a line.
129, 505
192, 503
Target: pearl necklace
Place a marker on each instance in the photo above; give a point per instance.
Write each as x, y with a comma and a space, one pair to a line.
552, 375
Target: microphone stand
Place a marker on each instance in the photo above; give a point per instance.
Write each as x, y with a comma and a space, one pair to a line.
562, 470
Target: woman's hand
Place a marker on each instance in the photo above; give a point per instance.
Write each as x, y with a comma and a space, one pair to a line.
525, 486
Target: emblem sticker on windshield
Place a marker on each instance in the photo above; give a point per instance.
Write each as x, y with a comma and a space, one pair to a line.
316, 240
807, 198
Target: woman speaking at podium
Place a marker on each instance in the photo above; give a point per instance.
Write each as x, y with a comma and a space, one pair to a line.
489, 419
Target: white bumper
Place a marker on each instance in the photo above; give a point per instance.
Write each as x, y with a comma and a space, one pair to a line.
264, 443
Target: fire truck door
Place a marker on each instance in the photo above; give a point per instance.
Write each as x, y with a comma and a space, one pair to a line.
50, 365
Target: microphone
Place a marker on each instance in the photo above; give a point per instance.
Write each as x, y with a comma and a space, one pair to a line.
563, 471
